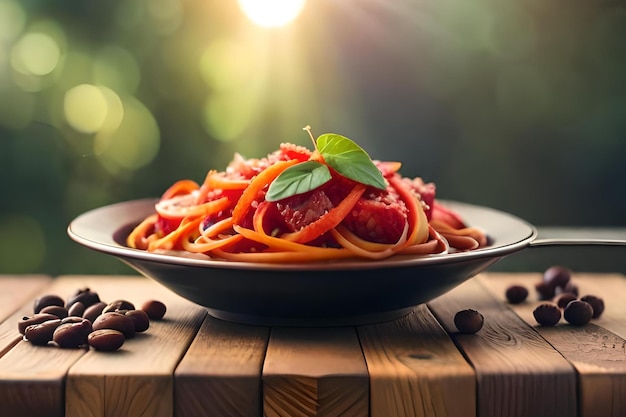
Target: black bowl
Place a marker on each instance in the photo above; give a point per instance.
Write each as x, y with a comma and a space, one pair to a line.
333, 293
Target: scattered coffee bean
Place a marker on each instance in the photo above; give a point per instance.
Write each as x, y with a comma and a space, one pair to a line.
118, 305
516, 294
40, 334
578, 312
140, 318
72, 334
36, 319
85, 320
77, 309
563, 299
468, 321
557, 276
93, 311
106, 340
45, 301
115, 321
58, 311
547, 314
85, 296
154, 309
596, 303
569, 287
72, 319
545, 291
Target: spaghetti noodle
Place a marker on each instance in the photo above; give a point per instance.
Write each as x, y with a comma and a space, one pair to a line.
229, 216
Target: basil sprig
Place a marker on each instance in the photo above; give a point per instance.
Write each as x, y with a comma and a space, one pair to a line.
337, 152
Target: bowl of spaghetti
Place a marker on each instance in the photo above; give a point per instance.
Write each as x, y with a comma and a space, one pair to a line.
301, 237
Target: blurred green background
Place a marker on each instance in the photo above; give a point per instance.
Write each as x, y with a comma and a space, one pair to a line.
518, 105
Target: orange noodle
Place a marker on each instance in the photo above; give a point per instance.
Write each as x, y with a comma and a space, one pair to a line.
230, 215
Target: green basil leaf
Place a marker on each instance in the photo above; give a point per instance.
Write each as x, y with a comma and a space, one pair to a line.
350, 160
298, 179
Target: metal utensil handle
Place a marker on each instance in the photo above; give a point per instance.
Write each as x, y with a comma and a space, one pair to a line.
555, 236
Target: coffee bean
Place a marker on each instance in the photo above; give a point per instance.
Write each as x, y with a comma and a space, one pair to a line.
58, 311
557, 276
116, 321
36, 319
154, 309
93, 311
140, 318
72, 319
516, 294
547, 314
40, 334
578, 312
563, 299
106, 340
596, 303
72, 334
77, 309
468, 321
47, 300
84, 296
118, 305
569, 287
545, 291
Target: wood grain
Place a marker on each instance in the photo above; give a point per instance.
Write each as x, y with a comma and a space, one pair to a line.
518, 372
17, 290
220, 374
32, 380
416, 370
137, 379
598, 354
33, 377
314, 372
17, 296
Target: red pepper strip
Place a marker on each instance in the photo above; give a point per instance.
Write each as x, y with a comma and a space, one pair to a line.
417, 218
328, 220
179, 188
257, 184
446, 215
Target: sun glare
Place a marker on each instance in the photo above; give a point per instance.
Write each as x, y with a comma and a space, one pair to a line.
271, 13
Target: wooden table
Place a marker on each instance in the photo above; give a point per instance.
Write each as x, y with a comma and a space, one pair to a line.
191, 364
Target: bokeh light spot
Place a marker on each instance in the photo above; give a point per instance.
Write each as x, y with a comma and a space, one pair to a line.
133, 144
22, 244
227, 115
225, 64
166, 14
271, 13
116, 68
85, 108
12, 19
35, 54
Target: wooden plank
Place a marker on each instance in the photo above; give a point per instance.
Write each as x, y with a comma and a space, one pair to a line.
220, 375
15, 290
137, 380
416, 370
597, 353
33, 377
32, 380
518, 372
314, 372
16, 301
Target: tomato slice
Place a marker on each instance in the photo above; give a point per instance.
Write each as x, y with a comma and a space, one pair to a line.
179, 188
176, 207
